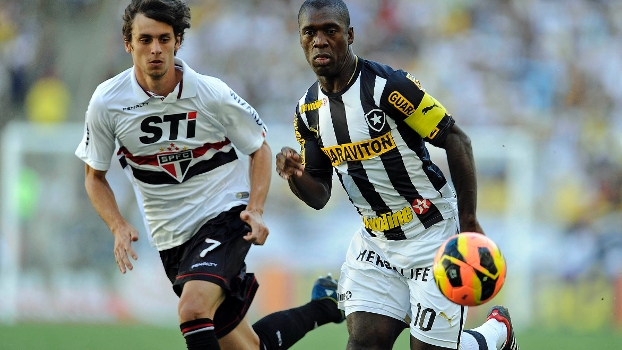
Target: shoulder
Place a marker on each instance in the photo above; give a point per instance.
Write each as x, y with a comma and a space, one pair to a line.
110, 89
379, 69
394, 79
211, 86
392, 75
401, 92
214, 90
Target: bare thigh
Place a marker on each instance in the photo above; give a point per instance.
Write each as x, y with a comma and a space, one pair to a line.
370, 331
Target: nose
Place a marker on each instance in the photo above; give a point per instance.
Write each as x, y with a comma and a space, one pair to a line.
156, 48
320, 39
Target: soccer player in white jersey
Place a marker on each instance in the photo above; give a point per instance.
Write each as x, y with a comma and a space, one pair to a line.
175, 130
368, 123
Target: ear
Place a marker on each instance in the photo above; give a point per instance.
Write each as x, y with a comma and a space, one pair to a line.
350, 35
128, 46
177, 43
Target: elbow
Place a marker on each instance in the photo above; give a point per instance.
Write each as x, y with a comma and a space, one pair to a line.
322, 196
88, 180
466, 141
317, 205
456, 139
316, 202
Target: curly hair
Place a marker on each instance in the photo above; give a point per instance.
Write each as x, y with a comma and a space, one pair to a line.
175, 13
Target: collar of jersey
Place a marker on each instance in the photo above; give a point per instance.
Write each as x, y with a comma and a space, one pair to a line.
190, 80
353, 79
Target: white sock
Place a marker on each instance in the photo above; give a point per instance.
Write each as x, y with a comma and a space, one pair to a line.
468, 342
494, 332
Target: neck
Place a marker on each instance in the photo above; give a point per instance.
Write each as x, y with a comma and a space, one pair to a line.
345, 75
164, 85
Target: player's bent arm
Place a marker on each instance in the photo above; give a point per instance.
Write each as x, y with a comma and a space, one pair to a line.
461, 163
102, 197
260, 167
314, 191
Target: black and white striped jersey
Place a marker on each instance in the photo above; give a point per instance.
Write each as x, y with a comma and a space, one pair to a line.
373, 134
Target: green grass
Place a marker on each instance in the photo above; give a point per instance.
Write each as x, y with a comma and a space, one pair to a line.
329, 337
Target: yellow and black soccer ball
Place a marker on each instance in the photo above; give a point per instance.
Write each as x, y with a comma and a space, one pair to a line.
469, 269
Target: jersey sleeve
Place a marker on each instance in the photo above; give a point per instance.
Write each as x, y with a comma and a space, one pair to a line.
244, 127
404, 100
98, 142
315, 161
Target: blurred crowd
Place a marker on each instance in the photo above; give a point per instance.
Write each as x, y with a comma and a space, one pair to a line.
550, 68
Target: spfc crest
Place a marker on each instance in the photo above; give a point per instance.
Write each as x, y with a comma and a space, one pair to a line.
174, 163
376, 119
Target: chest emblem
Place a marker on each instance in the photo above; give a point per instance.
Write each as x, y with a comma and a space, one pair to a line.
421, 206
376, 119
175, 161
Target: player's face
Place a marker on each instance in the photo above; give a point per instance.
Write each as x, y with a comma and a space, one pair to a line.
153, 47
325, 40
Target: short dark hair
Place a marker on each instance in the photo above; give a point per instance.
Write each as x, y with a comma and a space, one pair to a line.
175, 13
338, 6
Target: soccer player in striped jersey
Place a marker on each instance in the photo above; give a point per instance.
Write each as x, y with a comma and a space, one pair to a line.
175, 131
369, 123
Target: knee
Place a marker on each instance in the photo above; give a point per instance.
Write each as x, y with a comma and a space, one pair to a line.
197, 303
189, 310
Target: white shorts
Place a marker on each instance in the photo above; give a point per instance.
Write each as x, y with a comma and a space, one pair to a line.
378, 278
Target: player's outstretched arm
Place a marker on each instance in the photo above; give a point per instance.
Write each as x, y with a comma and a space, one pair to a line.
314, 191
461, 163
260, 173
103, 200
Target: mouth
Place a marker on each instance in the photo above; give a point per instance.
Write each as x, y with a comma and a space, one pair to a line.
156, 63
322, 58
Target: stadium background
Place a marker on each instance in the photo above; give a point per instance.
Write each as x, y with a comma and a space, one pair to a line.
535, 83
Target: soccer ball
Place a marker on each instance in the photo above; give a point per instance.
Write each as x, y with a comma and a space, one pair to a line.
469, 269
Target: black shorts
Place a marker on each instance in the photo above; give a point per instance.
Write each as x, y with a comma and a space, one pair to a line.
216, 254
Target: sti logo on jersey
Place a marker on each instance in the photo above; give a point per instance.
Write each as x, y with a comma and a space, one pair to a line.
376, 119
175, 163
155, 127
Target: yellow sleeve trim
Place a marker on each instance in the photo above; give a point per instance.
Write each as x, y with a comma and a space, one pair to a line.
427, 116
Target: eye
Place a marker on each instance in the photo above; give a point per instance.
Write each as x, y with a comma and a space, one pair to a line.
331, 31
144, 40
309, 32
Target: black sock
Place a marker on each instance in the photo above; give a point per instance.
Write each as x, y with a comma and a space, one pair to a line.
281, 330
481, 341
200, 334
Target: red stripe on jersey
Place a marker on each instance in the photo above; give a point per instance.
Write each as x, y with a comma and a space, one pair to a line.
196, 153
153, 159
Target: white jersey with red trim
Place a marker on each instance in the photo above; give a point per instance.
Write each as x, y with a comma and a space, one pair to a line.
180, 148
